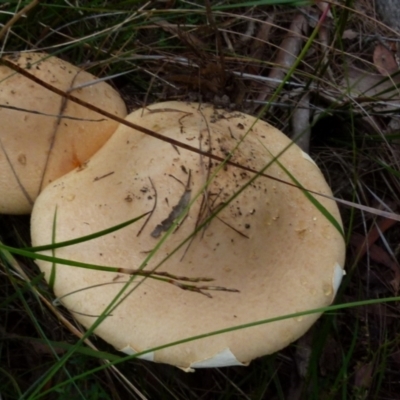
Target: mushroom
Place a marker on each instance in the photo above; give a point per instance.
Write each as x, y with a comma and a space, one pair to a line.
43, 136
270, 242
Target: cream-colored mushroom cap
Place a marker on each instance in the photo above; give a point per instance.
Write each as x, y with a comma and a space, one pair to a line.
270, 242
43, 136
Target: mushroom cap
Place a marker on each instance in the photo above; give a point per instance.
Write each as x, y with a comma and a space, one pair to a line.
270, 242
36, 146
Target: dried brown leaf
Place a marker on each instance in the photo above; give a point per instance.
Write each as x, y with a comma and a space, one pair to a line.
359, 83
363, 375
384, 60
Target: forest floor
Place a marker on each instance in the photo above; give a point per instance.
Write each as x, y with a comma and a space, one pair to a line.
325, 74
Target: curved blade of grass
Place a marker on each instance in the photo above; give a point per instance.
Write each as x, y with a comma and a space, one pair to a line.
85, 238
221, 331
320, 207
7, 256
52, 277
57, 260
103, 355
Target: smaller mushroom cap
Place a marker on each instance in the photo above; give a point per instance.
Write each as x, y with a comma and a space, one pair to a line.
268, 241
36, 146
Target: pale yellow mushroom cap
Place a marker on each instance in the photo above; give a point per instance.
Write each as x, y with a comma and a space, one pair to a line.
36, 146
270, 242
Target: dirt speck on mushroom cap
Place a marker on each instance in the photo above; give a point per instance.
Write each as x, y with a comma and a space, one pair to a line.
268, 241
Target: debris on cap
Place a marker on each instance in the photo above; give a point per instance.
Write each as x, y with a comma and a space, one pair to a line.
255, 234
